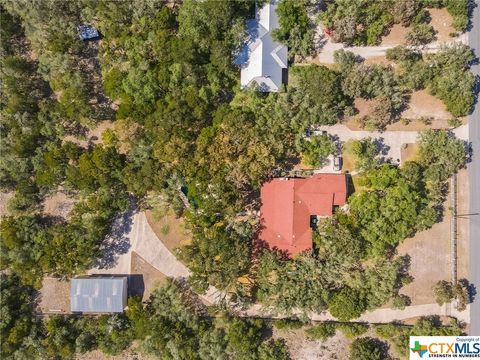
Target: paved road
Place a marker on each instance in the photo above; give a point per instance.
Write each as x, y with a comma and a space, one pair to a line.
474, 180
393, 140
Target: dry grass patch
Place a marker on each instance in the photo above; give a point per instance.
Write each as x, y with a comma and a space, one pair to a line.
170, 230
409, 152
430, 254
348, 159
152, 278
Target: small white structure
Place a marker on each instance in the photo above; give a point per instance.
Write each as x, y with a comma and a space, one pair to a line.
262, 60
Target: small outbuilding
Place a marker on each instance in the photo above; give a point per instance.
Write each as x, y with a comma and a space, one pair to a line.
87, 32
94, 294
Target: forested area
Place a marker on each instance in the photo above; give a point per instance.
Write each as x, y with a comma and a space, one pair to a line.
165, 75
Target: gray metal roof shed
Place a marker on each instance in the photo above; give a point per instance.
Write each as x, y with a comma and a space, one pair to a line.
98, 294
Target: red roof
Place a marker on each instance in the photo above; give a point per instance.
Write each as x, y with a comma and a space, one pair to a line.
288, 203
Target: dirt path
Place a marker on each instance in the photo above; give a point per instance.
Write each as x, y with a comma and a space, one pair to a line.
326, 53
378, 315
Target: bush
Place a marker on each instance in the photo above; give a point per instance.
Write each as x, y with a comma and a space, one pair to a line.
322, 331
352, 330
420, 34
368, 349
347, 304
444, 292
316, 150
288, 324
401, 301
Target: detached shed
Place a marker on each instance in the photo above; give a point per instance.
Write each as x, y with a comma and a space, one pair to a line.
98, 294
87, 32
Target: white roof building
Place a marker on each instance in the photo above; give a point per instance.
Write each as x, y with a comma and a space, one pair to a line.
263, 60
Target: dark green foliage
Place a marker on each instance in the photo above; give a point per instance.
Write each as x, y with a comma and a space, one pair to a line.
288, 324
368, 348
442, 154
352, 330
365, 22
460, 11
320, 89
316, 150
420, 34
347, 304
295, 30
321, 331
358, 22
445, 74
19, 328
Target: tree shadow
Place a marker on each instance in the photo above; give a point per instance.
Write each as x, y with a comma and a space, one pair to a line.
116, 243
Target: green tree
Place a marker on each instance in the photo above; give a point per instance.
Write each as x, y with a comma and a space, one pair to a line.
294, 29
368, 348
347, 304
316, 150
322, 331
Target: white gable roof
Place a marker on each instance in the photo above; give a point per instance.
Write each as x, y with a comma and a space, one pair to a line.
263, 58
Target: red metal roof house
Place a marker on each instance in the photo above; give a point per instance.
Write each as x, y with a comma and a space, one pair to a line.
288, 204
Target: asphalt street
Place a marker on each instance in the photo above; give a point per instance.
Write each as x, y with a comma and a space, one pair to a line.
474, 180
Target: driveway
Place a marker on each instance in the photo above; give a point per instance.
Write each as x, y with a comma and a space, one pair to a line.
391, 141
326, 52
142, 239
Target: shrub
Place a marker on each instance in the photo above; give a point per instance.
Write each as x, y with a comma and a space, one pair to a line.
352, 330
322, 331
420, 34
288, 324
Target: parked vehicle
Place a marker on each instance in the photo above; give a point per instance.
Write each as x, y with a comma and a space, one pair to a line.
337, 163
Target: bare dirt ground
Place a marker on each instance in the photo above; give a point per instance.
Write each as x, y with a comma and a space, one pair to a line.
396, 36
421, 106
92, 136
54, 296
152, 278
441, 22
302, 348
58, 205
4, 199
382, 60
429, 250
130, 354
170, 230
